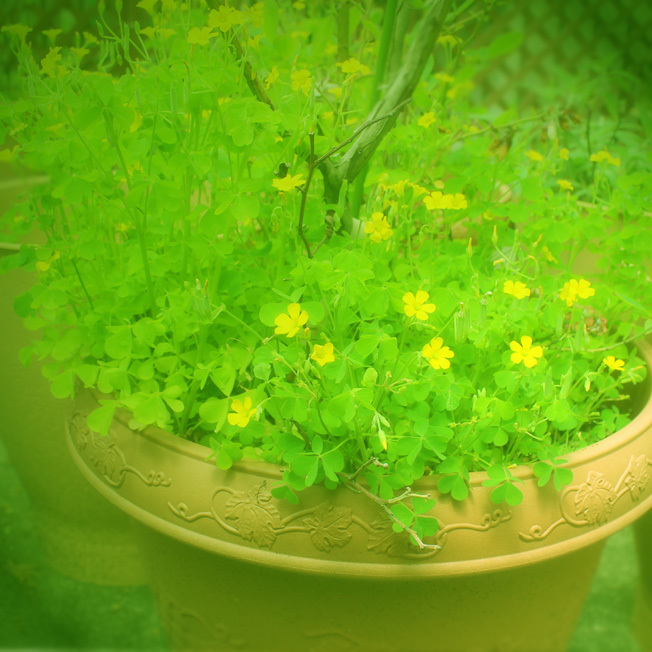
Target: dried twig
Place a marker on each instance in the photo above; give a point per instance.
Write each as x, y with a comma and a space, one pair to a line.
360, 129
351, 483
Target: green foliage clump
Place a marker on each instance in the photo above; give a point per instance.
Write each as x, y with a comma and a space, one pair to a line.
203, 268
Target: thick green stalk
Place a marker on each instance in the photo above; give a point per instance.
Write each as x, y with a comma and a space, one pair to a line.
379, 76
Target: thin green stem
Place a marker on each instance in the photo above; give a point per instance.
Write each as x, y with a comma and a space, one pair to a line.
203, 335
226, 311
81, 281
136, 221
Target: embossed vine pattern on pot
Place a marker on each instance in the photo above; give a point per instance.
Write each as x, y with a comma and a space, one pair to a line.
592, 502
253, 515
106, 457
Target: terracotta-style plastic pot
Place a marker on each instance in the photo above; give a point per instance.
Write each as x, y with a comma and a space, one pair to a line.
83, 535
235, 569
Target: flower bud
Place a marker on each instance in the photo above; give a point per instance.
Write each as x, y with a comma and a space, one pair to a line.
482, 313
370, 377
383, 438
459, 323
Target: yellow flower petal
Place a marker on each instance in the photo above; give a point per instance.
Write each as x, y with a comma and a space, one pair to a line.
534, 155
323, 354
427, 119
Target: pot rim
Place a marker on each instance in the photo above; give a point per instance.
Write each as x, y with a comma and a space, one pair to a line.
377, 571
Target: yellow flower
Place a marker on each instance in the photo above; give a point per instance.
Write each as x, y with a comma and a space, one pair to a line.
80, 52
436, 354
604, 155
200, 36
438, 199
290, 323
434, 200
462, 87
517, 289
457, 202
377, 228
399, 187
242, 412
337, 91
426, 119
288, 182
444, 78
448, 39
565, 185
563, 153
534, 155
49, 62
525, 352
548, 254
255, 41
301, 79
255, 14
418, 190
52, 34
272, 77
323, 354
225, 18
416, 306
574, 289
353, 66
21, 31
613, 364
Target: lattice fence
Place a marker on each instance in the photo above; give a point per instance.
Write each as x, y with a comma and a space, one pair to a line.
567, 37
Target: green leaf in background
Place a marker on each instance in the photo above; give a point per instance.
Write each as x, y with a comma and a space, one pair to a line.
270, 19
245, 207
214, 411
454, 485
63, 385
270, 311
101, 418
149, 409
504, 44
118, 345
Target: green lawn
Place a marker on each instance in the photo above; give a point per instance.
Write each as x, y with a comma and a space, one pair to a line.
41, 609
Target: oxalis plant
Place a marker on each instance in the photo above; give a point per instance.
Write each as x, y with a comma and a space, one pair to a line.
286, 232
